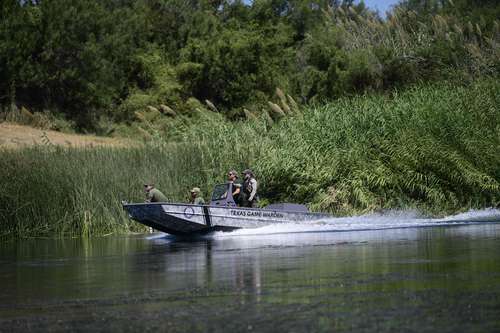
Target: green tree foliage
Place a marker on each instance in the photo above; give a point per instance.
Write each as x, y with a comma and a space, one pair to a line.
68, 55
234, 66
91, 59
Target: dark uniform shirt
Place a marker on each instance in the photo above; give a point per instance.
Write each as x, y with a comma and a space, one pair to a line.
237, 196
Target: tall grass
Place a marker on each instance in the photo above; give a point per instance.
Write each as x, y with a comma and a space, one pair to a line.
56, 191
434, 148
438, 41
44, 120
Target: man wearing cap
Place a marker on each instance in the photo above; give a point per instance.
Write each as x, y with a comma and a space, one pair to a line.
249, 189
196, 198
153, 194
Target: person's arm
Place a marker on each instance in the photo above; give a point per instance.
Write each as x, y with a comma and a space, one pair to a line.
254, 189
237, 189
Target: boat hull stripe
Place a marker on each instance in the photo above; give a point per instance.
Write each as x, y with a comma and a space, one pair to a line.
206, 215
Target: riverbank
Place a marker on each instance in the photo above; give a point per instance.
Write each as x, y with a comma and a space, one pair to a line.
434, 148
20, 136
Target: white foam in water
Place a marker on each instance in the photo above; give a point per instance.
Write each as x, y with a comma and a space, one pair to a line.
157, 235
379, 221
485, 215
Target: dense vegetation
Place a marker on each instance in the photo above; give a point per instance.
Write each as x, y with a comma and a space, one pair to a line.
96, 63
331, 104
431, 147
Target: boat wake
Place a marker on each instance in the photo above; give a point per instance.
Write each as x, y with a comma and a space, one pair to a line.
395, 219
378, 221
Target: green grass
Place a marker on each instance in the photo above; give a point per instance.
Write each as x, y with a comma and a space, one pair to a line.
54, 191
434, 148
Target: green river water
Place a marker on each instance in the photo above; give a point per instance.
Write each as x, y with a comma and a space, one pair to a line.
393, 277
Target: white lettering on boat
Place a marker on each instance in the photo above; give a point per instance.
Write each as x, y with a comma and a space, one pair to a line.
254, 213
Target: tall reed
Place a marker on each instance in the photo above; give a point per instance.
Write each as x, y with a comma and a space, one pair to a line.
405, 48
430, 147
435, 147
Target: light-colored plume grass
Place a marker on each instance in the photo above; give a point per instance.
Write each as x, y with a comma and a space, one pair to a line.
276, 111
167, 110
211, 106
406, 35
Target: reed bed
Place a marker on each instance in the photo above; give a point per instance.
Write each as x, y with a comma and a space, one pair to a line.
438, 42
50, 191
434, 148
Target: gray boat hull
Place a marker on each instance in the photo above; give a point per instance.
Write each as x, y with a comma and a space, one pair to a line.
187, 219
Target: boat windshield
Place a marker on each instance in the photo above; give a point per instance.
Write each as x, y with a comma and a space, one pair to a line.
220, 192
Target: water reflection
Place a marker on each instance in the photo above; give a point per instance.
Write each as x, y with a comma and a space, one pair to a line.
332, 277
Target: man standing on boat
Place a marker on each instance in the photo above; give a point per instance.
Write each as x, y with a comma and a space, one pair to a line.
249, 189
232, 176
196, 198
153, 194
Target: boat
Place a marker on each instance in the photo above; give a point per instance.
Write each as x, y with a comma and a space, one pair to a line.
222, 214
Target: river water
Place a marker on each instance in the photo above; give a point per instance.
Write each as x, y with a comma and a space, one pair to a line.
394, 272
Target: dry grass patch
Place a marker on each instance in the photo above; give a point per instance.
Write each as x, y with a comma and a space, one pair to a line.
18, 136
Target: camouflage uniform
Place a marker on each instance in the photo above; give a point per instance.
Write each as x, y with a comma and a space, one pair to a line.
155, 195
199, 201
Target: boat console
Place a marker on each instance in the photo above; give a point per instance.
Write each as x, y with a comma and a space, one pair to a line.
222, 195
